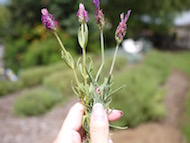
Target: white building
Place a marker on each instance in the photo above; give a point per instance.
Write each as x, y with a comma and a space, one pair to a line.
182, 29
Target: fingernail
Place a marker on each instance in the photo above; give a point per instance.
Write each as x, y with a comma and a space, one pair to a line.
118, 111
121, 112
98, 112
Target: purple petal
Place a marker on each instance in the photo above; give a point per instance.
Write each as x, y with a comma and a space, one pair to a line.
81, 6
48, 20
44, 11
122, 16
127, 15
97, 4
82, 14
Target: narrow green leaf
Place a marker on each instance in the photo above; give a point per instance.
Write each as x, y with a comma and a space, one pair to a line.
85, 35
118, 127
81, 43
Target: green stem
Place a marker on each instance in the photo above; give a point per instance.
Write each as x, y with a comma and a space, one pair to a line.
114, 58
84, 58
102, 51
102, 45
75, 75
84, 69
60, 42
65, 52
85, 76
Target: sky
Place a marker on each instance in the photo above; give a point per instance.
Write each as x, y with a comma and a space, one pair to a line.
182, 19
3, 1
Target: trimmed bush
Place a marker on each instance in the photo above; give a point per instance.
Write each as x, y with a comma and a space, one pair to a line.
35, 102
120, 64
161, 62
142, 99
7, 87
30, 77
34, 76
60, 81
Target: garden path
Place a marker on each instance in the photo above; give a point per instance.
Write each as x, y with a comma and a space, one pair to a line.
45, 128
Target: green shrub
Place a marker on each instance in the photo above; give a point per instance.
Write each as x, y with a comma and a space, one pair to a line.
35, 102
182, 61
120, 64
41, 53
14, 51
60, 81
7, 87
161, 62
30, 77
142, 99
186, 123
34, 76
47, 52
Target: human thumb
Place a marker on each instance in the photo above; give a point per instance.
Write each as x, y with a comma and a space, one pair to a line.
99, 126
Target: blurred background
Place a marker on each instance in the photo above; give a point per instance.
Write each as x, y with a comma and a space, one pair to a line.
153, 61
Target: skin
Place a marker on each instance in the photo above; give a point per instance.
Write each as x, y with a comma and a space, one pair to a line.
72, 132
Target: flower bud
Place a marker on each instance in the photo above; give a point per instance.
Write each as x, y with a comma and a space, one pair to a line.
99, 15
48, 20
100, 19
82, 14
121, 28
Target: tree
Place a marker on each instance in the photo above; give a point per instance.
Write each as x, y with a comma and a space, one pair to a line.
160, 14
4, 21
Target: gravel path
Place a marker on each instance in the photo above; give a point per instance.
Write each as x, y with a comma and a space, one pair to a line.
44, 129
32, 129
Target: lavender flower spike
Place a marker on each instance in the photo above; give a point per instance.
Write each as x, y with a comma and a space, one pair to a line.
82, 14
121, 28
48, 20
99, 14
97, 4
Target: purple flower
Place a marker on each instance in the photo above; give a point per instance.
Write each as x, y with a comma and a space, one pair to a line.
82, 14
48, 20
99, 14
97, 4
121, 28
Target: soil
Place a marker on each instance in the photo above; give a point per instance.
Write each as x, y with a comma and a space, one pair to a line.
45, 128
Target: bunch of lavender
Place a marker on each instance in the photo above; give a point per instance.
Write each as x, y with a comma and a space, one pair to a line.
89, 90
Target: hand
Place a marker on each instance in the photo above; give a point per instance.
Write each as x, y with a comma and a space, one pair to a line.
72, 132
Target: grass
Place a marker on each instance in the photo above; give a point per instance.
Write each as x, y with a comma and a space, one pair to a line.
182, 62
